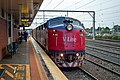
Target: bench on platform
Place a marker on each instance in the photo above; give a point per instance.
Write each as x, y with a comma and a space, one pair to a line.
12, 48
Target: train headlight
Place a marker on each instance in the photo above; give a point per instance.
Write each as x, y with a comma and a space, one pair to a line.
77, 54
69, 27
81, 34
55, 33
61, 55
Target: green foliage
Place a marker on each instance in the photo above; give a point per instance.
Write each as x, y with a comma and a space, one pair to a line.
114, 37
89, 37
116, 28
98, 36
105, 30
117, 37
107, 37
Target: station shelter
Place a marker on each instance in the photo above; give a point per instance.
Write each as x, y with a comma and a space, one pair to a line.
15, 14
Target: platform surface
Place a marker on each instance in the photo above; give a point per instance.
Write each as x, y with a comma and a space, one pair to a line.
20, 66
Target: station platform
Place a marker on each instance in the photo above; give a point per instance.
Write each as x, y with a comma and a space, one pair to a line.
26, 64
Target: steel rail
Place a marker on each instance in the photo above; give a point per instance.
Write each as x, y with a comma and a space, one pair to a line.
89, 74
103, 67
104, 59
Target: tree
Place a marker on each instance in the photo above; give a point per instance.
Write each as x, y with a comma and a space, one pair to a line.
99, 29
116, 28
87, 30
106, 30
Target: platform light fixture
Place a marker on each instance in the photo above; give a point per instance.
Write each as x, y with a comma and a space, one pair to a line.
24, 20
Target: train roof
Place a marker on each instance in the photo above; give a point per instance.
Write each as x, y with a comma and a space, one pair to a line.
61, 17
64, 17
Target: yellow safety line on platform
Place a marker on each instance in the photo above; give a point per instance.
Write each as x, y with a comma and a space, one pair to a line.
13, 64
40, 73
2, 79
56, 75
27, 72
8, 73
1, 66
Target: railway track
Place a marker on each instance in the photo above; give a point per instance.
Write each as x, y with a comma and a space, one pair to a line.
104, 51
109, 47
115, 48
105, 58
110, 55
99, 71
106, 55
78, 74
114, 44
109, 40
106, 64
96, 67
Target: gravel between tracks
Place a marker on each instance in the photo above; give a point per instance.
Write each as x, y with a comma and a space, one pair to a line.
76, 74
98, 72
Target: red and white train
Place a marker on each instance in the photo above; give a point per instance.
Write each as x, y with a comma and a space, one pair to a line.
64, 40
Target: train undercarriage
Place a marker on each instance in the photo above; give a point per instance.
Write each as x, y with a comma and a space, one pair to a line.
68, 60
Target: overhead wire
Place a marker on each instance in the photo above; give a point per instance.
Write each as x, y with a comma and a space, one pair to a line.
86, 4
100, 3
48, 3
110, 13
112, 18
58, 4
74, 4
109, 17
78, 2
108, 8
115, 12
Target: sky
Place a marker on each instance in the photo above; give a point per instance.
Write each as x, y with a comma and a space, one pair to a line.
107, 12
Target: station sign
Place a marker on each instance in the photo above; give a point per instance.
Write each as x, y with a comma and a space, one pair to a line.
24, 20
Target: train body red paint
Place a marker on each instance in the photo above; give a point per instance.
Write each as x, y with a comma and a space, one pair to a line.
64, 40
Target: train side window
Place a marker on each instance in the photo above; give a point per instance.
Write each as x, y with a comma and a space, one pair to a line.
39, 27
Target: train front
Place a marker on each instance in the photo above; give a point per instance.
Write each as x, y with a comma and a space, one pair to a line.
66, 41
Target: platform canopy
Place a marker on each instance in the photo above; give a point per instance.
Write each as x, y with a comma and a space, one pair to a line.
23, 11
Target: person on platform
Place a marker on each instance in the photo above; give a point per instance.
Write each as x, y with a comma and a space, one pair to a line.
25, 35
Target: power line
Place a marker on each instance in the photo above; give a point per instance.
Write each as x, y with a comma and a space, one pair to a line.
78, 2
107, 14
74, 4
100, 3
86, 4
48, 3
58, 4
115, 12
109, 19
110, 13
108, 8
